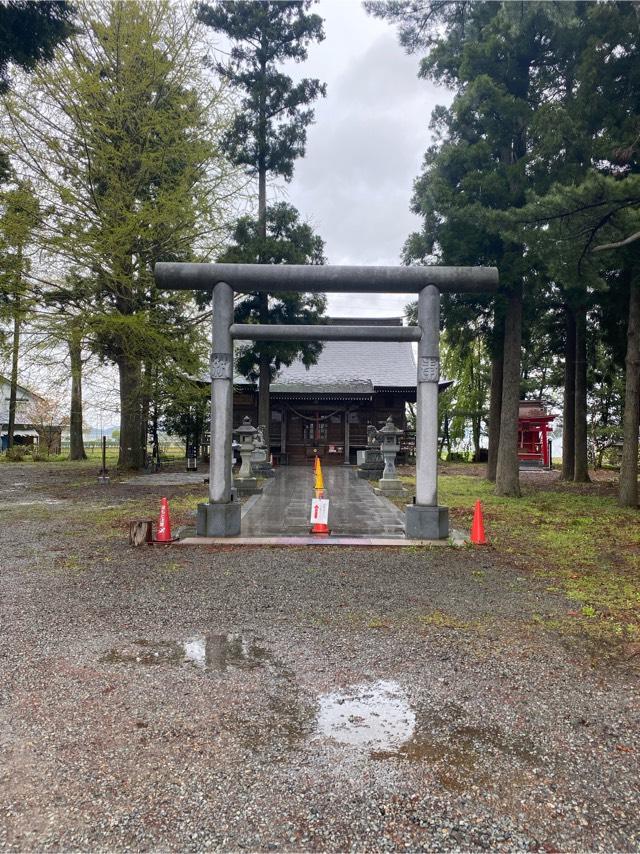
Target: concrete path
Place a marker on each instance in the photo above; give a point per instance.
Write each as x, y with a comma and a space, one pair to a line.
354, 509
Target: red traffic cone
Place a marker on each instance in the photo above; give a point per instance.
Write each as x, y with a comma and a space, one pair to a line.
477, 528
320, 527
163, 534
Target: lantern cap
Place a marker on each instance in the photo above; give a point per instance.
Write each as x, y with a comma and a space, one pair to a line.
390, 428
246, 429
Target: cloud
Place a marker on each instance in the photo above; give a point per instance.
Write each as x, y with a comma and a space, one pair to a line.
366, 147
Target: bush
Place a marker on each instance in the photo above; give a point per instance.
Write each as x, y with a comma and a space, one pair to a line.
17, 454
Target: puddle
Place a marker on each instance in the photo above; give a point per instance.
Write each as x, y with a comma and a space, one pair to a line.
378, 720
207, 652
377, 716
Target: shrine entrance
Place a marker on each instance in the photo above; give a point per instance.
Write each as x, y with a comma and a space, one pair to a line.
317, 430
221, 516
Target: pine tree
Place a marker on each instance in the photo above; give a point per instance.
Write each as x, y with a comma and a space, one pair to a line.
504, 61
123, 146
29, 33
269, 132
287, 241
20, 217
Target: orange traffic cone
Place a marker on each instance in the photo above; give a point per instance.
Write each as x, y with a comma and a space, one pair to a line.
163, 534
477, 528
319, 527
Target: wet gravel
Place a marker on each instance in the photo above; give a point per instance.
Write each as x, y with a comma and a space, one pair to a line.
292, 699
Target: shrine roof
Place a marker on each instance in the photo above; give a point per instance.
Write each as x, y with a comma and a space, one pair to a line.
350, 367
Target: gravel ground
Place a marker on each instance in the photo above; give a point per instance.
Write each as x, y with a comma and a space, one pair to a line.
268, 699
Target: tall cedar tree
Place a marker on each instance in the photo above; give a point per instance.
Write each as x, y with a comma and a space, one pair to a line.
124, 150
287, 241
496, 56
269, 132
590, 223
19, 218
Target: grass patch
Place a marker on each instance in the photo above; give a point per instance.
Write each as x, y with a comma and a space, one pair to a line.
442, 620
587, 546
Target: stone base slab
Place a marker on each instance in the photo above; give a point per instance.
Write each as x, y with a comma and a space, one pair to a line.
297, 542
390, 487
426, 523
247, 486
262, 469
370, 474
218, 520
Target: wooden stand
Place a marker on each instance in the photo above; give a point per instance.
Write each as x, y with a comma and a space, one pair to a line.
140, 533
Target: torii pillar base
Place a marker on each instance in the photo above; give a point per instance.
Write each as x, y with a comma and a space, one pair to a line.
424, 522
219, 520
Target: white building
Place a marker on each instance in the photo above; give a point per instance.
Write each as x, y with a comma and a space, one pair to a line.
25, 432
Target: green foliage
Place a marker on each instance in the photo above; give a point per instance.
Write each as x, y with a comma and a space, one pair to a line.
463, 407
16, 454
124, 146
184, 409
269, 131
20, 217
288, 241
29, 33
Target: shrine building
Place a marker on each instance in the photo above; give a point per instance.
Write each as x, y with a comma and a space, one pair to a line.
325, 408
535, 425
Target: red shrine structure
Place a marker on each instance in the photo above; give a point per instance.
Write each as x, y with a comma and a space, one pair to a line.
534, 427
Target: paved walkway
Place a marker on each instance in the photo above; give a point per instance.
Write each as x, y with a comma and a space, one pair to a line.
354, 509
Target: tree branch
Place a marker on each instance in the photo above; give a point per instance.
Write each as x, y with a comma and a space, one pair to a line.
604, 246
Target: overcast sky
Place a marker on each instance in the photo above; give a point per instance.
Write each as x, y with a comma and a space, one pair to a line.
365, 148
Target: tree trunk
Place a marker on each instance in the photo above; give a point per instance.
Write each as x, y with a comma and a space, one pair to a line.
264, 398
475, 431
507, 473
628, 491
264, 377
76, 450
495, 408
15, 349
146, 392
569, 401
131, 455
262, 204
581, 470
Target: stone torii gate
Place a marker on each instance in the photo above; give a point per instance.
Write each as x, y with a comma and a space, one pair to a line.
425, 519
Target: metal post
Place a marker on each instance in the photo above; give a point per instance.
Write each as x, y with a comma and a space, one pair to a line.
347, 450
425, 519
221, 517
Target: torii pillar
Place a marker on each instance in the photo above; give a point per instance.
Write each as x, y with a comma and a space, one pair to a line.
426, 519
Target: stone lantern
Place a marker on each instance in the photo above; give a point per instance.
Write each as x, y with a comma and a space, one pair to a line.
389, 436
245, 483
372, 465
260, 465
